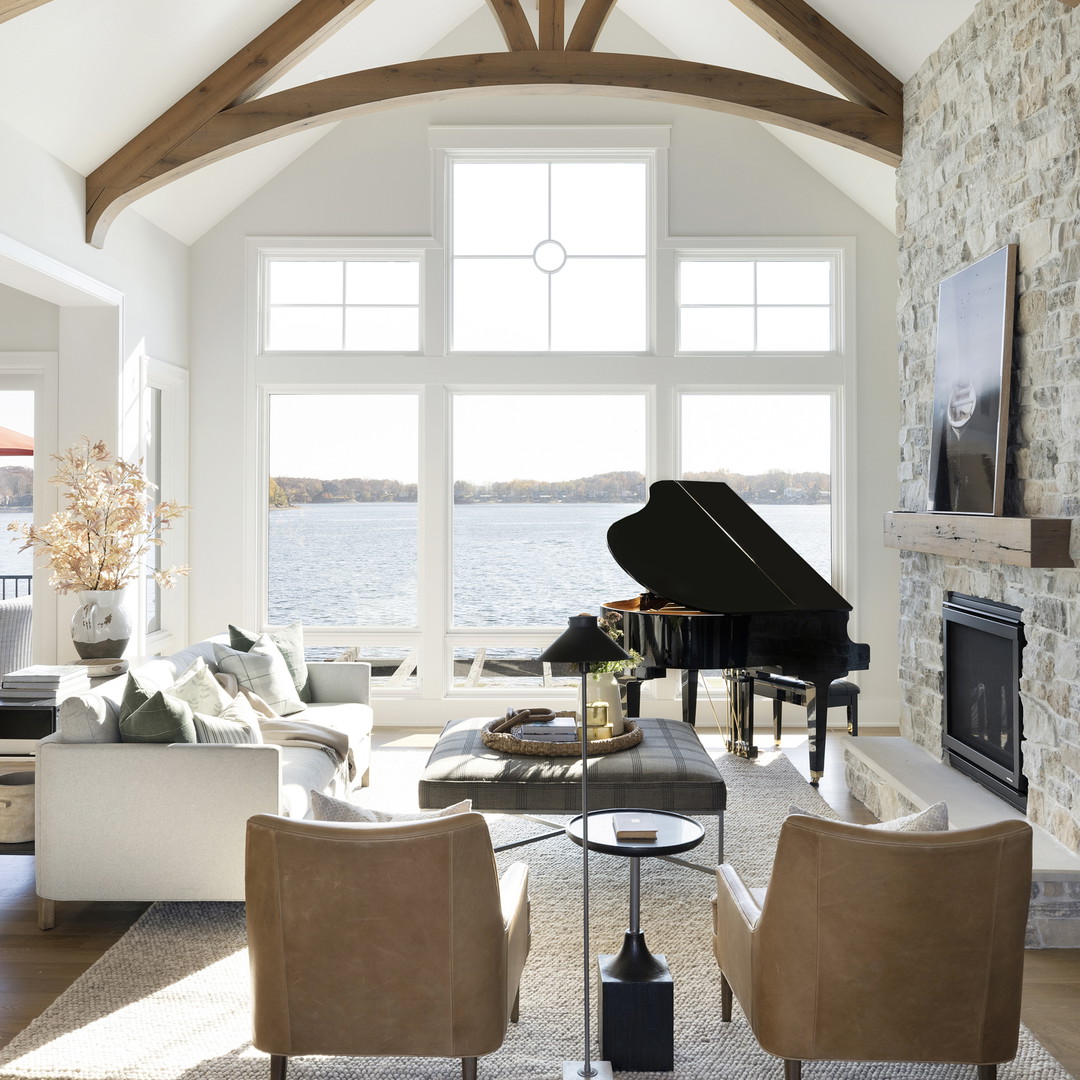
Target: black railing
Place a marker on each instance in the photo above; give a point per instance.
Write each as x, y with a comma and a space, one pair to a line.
14, 585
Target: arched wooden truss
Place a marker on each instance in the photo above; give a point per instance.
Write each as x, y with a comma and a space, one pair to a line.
222, 115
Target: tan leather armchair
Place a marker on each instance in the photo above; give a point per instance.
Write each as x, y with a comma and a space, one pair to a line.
391, 939
880, 946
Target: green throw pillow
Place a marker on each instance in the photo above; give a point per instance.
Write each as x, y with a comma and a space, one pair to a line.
290, 640
136, 693
162, 719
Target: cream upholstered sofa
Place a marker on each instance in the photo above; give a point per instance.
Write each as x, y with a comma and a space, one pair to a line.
166, 821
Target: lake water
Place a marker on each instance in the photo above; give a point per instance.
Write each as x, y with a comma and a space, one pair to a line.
516, 564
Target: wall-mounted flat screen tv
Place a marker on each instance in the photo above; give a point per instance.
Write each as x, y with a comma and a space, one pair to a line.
971, 386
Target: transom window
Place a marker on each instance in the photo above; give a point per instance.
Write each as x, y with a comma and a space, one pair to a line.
549, 256
756, 305
333, 305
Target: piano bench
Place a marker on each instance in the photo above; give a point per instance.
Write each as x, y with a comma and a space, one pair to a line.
668, 770
781, 688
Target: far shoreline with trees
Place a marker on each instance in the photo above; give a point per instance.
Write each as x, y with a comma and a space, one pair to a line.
775, 487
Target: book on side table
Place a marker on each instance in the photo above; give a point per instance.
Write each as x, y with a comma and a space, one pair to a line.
633, 827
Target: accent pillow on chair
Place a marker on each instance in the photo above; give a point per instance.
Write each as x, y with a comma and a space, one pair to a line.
934, 818
326, 808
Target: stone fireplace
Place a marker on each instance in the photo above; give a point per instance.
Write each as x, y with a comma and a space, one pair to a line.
989, 159
982, 716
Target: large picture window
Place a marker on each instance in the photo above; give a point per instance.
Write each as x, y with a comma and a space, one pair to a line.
773, 450
342, 527
531, 514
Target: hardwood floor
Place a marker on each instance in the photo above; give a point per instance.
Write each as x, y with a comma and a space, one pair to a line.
37, 966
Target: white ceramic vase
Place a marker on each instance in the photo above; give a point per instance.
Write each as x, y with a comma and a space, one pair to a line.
605, 687
101, 627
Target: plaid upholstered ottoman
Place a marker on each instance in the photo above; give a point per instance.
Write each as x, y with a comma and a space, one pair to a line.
668, 770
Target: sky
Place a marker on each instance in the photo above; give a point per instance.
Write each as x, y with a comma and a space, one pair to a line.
533, 437
544, 436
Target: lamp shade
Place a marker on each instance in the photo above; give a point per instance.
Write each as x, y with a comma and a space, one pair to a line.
583, 642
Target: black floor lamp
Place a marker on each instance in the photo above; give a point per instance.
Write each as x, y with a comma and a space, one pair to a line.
584, 643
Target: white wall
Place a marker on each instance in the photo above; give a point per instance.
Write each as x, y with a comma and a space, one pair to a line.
373, 176
112, 304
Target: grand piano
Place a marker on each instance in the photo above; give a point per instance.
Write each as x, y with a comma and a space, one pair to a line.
724, 591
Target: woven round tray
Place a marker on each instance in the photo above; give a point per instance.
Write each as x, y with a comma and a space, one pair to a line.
510, 744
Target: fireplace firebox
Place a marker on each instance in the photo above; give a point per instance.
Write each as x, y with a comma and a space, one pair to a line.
982, 713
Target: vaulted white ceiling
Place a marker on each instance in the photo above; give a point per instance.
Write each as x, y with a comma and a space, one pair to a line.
82, 77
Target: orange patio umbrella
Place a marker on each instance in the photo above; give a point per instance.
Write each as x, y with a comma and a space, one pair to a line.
14, 444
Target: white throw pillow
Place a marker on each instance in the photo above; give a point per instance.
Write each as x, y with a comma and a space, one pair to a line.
934, 818
263, 671
198, 687
238, 723
325, 808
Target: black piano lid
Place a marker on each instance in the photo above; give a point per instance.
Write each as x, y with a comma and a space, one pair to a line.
697, 543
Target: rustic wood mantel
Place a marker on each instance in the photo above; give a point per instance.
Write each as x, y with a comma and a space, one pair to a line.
1015, 541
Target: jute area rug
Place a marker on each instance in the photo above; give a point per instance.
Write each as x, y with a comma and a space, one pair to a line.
170, 1000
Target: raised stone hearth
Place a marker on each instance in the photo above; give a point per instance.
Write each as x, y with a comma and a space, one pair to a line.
891, 776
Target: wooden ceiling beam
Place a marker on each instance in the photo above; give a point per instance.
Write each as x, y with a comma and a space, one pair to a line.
287, 41
828, 52
590, 22
10, 8
516, 31
757, 97
552, 29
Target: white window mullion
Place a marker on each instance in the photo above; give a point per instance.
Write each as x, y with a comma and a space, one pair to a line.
434, 581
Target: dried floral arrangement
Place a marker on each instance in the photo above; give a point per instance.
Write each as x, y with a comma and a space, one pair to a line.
99, 539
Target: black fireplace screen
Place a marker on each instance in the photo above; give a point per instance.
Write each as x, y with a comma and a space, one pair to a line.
982, 711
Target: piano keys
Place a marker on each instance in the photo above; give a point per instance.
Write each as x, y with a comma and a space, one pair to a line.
725, 591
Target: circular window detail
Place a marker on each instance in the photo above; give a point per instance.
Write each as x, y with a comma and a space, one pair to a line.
549, 256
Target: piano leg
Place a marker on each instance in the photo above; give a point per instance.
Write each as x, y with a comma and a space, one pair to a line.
816, 724
689, 696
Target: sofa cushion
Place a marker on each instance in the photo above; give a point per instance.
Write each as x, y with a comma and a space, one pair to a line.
264, 672
326, 808
198, 687
290, 640
137, 692
303, 769
238, 723
88, 718
163, 719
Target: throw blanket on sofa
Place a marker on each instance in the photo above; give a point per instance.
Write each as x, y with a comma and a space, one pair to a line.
308, 733
275, 729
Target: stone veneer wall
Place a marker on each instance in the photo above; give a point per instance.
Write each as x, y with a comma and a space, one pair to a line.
991, 157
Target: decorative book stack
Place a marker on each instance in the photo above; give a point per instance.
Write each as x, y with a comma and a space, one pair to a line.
560, 729
47, 683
